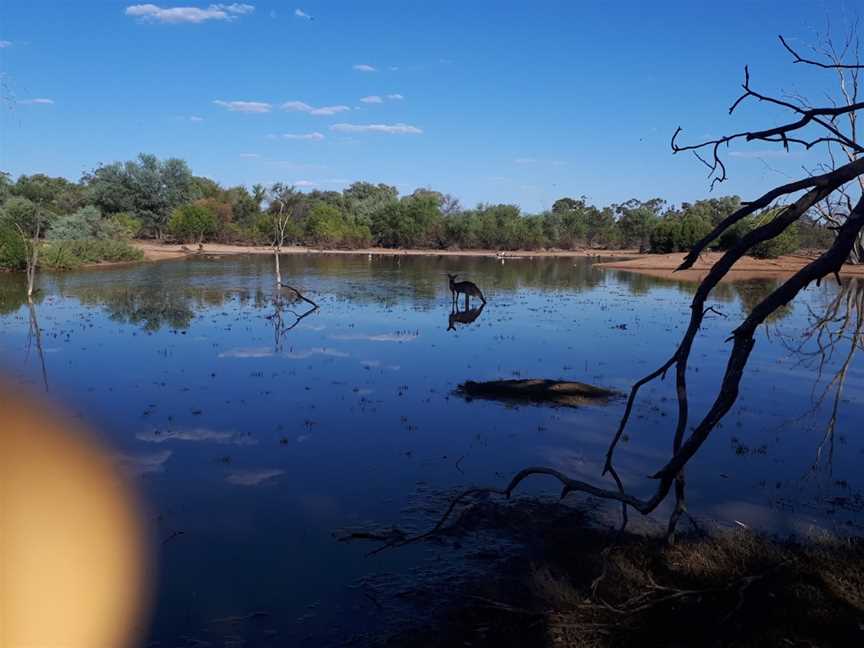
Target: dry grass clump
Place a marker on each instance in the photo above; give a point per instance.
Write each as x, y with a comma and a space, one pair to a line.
575, 585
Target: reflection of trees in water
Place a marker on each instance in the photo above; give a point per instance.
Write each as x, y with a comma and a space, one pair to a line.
13, 296
753, 291
297, 309
162, 300
830, 343
389, 280
34, 337
151, 308
748, 292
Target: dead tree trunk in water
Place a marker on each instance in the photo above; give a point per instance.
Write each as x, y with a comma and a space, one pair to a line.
281, 205
276, 252
31, 247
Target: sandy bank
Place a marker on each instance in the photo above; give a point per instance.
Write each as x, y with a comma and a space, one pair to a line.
663, 266
656, 265
154, 251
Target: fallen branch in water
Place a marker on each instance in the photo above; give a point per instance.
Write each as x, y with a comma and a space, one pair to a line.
299, 294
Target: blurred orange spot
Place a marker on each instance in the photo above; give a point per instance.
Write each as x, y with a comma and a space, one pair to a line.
72, 551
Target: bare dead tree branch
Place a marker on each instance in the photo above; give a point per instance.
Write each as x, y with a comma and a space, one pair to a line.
807, 193
828, 66
299, 294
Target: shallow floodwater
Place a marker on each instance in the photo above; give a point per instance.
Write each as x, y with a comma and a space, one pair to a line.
253, 439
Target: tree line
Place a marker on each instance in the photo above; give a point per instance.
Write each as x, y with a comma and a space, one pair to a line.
94, 219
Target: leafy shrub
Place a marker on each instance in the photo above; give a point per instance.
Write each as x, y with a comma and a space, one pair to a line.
325, 226
20, 212
786, 243
678, 233
71, 254
88, 223
665, 236
13, 252
125, 225
83, 224
192, 223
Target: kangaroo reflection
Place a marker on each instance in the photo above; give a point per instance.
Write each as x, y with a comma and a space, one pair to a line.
464, 316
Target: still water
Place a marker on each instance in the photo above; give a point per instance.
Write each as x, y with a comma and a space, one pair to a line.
253, 436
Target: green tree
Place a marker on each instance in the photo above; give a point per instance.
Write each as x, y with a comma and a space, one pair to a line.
415, 221
29, 221
192, 222
678, 231
55, 195
86, 223
244, 206
147, 188
325, 225
363, 200
5, 186
785, 243
636, 220
713, 210
602, 230
666, 236
13, 249
566, 204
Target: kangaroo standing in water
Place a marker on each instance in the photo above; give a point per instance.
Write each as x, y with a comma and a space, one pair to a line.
468, 288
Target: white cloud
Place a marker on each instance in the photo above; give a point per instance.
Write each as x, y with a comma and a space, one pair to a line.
268, 352
303, 354
299, 106
249, 156
236, 8
248, 352
198, 434
5, 44
302, 14
362, 67
328, 110
143, 464
525, 160
302, 106
245, 106
196, 118
396, 97
381, 337
392, 129
311, 137
31, 102
372, 99
175, 15
252, 477
304, 183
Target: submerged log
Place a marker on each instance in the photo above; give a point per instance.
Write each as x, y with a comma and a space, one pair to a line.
538, 390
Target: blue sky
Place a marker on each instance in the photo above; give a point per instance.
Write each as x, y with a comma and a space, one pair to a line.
498, 101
